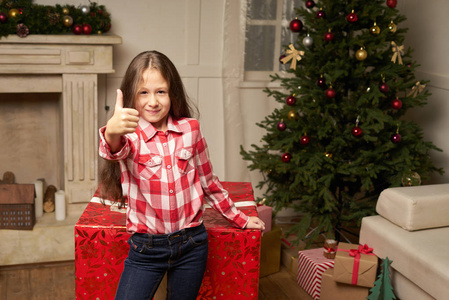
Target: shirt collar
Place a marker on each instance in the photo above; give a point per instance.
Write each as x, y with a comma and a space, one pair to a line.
147, 130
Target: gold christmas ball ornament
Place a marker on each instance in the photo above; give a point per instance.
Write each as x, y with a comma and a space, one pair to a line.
375, 30
13, 13
67, 21
361, 54
65, 11
329, 155
411, 179
292, 115
392, 27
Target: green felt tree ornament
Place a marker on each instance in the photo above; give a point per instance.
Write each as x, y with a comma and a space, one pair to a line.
383, 290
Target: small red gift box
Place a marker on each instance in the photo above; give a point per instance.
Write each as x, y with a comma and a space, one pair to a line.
311, 265
233, 263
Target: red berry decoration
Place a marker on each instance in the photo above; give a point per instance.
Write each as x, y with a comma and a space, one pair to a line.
328, 36
310, 4
320, 14
286, 157
295, 25
321, 82
396, 138
383, 87
357, 131
352, 17
396, 103
290, 100
330, 93
281, 126
3, 17
392, 3
77, 29
305, 140
87, 29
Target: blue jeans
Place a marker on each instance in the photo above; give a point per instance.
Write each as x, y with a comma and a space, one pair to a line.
182, 254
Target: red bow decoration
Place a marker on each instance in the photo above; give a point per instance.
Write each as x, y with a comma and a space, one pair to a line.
361, 249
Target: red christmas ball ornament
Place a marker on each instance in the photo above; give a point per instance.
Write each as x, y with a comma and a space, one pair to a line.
77, 29
295, 25
321, 82
87, 29
281, 58
291, 100
305, 140
310, 4
330, 93
392, 3
396, 138
383, 87
352, 17
3, 17
320, 14
328, 36
286, 157
281, 126
357, 131
396, 103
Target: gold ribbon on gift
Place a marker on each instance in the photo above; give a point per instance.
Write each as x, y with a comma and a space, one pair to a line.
398, 51
416, 89
293, 55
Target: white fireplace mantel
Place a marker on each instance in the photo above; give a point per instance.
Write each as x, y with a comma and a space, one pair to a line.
66, 64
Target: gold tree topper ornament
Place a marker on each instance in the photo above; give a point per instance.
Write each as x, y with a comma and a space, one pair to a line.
293, 55
398, 51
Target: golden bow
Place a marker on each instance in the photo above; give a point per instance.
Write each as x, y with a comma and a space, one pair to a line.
416, 89
398, 51
293, 55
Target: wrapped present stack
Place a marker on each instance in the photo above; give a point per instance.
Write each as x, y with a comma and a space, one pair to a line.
232, 270
354, 273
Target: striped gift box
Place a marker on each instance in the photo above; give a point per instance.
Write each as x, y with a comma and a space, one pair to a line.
311, 266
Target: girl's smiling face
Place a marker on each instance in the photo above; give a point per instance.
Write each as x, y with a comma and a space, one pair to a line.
153, 99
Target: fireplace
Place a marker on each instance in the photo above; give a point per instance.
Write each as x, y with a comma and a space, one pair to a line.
49, 109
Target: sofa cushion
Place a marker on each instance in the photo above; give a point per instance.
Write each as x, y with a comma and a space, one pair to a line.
420, 255
416, 207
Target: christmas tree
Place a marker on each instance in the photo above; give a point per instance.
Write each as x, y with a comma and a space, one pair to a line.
340, 137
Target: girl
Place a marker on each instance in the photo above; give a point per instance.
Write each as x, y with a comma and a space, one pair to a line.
166, 175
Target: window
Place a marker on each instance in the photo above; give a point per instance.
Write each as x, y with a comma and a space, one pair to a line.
267, 32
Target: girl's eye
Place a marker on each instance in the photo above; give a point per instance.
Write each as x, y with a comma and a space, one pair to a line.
143, 92
161, 92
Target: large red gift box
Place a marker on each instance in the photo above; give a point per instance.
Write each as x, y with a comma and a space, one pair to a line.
233, 263
311, 266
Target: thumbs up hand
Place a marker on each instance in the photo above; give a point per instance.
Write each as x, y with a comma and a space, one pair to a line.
123, 121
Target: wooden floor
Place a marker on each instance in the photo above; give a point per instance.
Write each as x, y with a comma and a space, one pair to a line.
56, 281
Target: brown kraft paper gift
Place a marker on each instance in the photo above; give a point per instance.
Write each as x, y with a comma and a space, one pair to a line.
350, 258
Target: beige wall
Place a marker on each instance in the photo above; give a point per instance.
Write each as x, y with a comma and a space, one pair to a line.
191, 33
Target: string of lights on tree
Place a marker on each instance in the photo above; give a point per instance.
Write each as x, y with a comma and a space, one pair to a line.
22, 17
361, 54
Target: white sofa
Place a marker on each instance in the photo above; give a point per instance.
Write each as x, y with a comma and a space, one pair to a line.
412, 230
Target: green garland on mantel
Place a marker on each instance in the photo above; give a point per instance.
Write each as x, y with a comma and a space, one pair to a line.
23, 17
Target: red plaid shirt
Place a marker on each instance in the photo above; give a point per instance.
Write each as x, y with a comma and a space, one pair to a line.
167, 176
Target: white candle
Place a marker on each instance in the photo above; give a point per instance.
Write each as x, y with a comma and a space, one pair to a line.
60, 205
38, 200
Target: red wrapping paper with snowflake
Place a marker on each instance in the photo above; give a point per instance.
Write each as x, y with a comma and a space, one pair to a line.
234, 255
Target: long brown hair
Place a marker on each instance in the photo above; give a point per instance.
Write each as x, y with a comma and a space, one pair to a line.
110, 175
